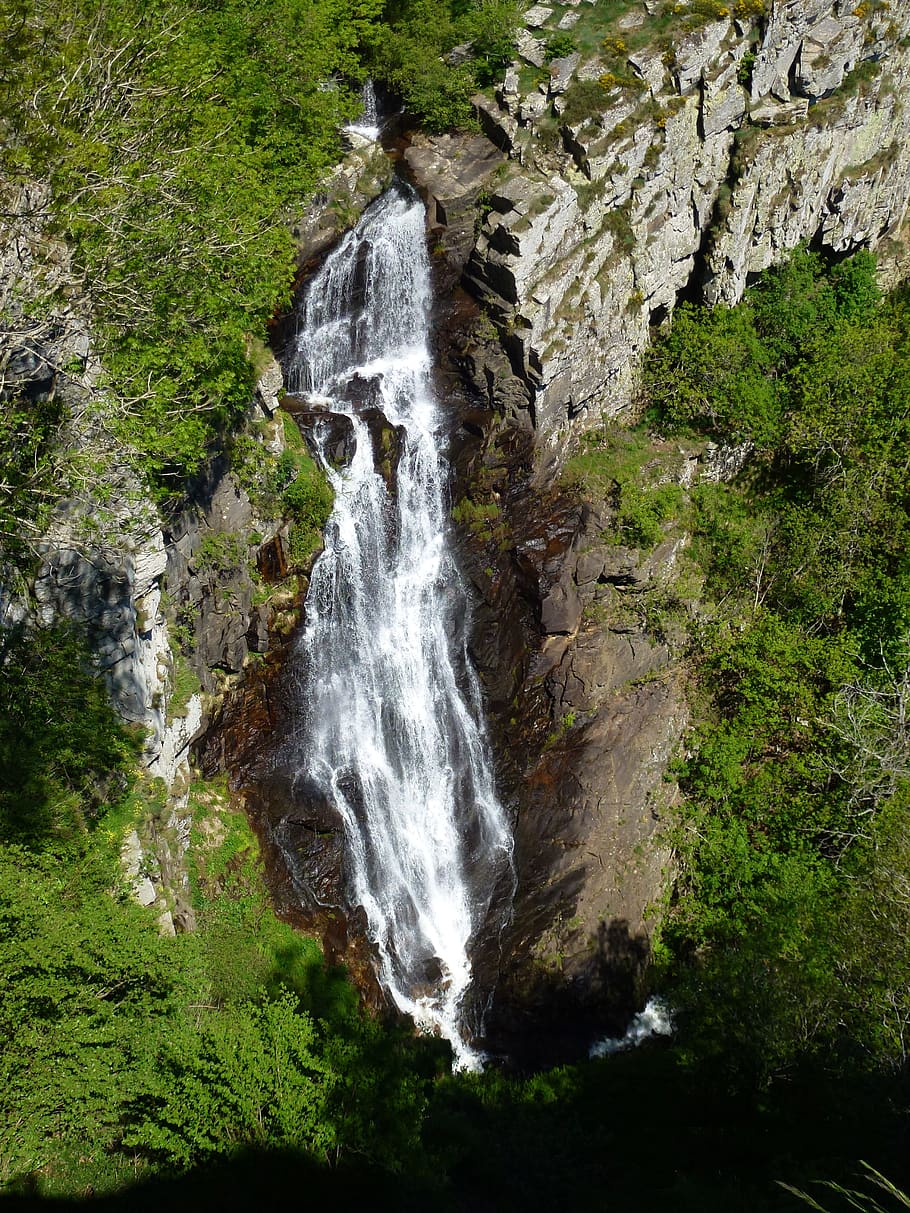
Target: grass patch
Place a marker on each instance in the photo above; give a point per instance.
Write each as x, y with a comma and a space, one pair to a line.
623, 468
246, 947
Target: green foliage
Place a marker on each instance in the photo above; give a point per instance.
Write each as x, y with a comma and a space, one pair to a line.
173, 137
86, 978
477, 515
865, 1201
306, 498
711, 371
813, 369
559, 45
409, 54
64, 753
220, 551
123, 1052
254, 1074
294, 487
643, 511
247, 948
184, 686
307, 495
584, 99
795, 777
28, 473
620, 466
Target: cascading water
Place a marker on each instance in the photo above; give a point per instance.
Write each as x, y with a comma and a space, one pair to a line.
367, 125
390, 730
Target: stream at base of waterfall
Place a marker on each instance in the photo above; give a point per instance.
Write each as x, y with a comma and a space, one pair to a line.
390, 729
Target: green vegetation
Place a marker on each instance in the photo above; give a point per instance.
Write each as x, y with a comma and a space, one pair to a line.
292, 486
437, 53
476, 515
622, 468
221, 550
126, 1056
125, 1053
63, 751
794, 832
172, 139
559, 45
865, 1201
28, 473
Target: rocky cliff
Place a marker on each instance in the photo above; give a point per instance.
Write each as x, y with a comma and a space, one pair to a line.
675, 155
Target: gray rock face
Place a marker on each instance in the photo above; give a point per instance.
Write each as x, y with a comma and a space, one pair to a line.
452, 170
715, 170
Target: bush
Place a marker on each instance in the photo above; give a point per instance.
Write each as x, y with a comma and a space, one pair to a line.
408, 54
560, 45
65, 755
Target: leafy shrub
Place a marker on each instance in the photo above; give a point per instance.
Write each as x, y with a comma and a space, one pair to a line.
308, 500
559, 45
221, 551
583, 99
408, 54
65, 755
642, 511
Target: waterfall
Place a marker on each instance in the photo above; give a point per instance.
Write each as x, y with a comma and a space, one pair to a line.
390, 728
367, 125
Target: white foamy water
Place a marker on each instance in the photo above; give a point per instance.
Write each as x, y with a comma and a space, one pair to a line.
367, 125
390, 717
654, 1020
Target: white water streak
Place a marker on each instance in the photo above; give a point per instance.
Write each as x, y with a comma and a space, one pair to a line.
654, 1020
367, 125
392, 732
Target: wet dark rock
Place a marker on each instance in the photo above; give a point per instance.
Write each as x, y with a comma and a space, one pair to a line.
257, 636
430, 978
315, 858
387, 441
364, 392
584, 709
272, 559
560, 611
335, 431
449, 172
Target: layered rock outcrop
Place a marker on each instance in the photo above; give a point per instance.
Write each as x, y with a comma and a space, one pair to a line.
679, 161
